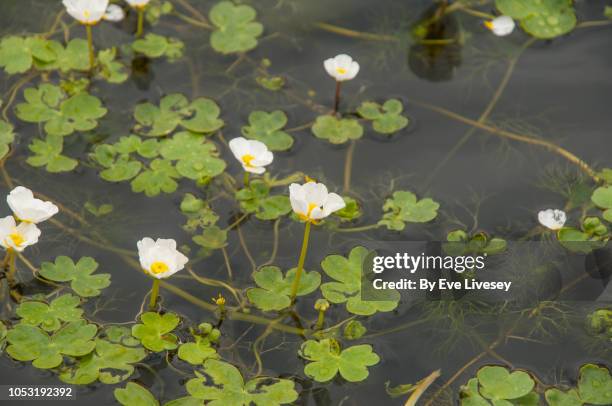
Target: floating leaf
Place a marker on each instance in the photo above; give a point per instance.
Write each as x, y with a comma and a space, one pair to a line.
602, 197
236, 29
335, 130
198, 212
156, 46
48, 104
159, 177
544, 18
328, 360
195, 353
79, 275
470, 396
212, 237
98, 211
403, 208
497, 383
135, 395
274, 288
75, 56
197, 158
50, 316
228, 388
110, 69
266, 127
121, 335
351, 210
273, 83
347, 273
110, 363
556, 397
595, 385
48, 153
255, 199
17, 54
29, 343
354, 330
154, 332
7, 136
386, 119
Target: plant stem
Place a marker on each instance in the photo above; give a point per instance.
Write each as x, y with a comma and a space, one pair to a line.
90, 46
140, 28
320, 320
154, 294
348, 166
300, 267
337, 98
10, 276
246, 179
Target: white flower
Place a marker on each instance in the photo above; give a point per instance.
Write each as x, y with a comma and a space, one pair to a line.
114, 13
341, 67
138, 3
88, 12
312, 202
252, 154
28, 209
160, 258
17, 237
552, 219
501, 26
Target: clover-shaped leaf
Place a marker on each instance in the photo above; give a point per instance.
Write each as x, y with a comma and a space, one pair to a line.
347, 273
236, 30
197, 157
266, 127
212, 237
134, 394
154, 332
75, 56
595, 385
470, 396
79, 275
198, 212
196, 352
29, 343
497, 383
404, 207
386, 119
156, 46
48, 153
50, 316
556, 397
328, 360
62, 116
110, 363
17, 54
543, 19
255, 199
7, 136
602, 197
202, 115
227, 387
335, 130
159, 177
111, 70
351, 210
274, 288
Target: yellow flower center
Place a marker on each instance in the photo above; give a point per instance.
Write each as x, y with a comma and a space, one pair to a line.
17, 239
488, 24
247, 160
341, 71
86, 13
158, 267
306, 217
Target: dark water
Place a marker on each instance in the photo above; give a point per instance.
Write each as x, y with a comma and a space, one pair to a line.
559, 90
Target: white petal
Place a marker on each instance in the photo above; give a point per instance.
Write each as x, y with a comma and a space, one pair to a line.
315, 193
240, 147
552, 219
330, 67
502, 26
258, 170
138, 3
334, 203
297, 199
114, 13
317, 214
7, 224
22, 202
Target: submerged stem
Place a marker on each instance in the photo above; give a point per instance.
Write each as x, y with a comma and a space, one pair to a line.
337, 97
140, 28
12, 271
154, 294
90, 46
348, 166
300, 267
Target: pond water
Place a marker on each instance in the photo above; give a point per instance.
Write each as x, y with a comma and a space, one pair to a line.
459, 98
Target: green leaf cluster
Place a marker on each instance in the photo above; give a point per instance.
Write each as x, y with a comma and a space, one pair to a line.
154, 332
274, 288
50, 316
461, 243
386, 119
594, 388
337, 130
404, 207
592, 234
157, 46
602, 198
495, 385
82, 282
255, 198
48, 153
7, 136
19, 54
267, 128
198, 212
236, 28
135, 395
543, 19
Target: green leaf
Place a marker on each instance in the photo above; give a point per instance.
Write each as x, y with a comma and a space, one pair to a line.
236, 30
121, 170
347, 273
228, 388
470, 396
50, 316
17, 54
154, 332
354, 330
273, 83
328, 360
110, 363
98, 211
497, 383
578, 241
48, 104
403, 207
595, 385
212, 237
351, 210
266, 127
159, 177
156, 46
111, 70
135, 395
602, 197
556, 397
386, 119
255, 199
202, 116
335, 130
79, 275
48, 153
542, 19
197, 158
195, 353
274, 288
7, 136
29, 343
75, 56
